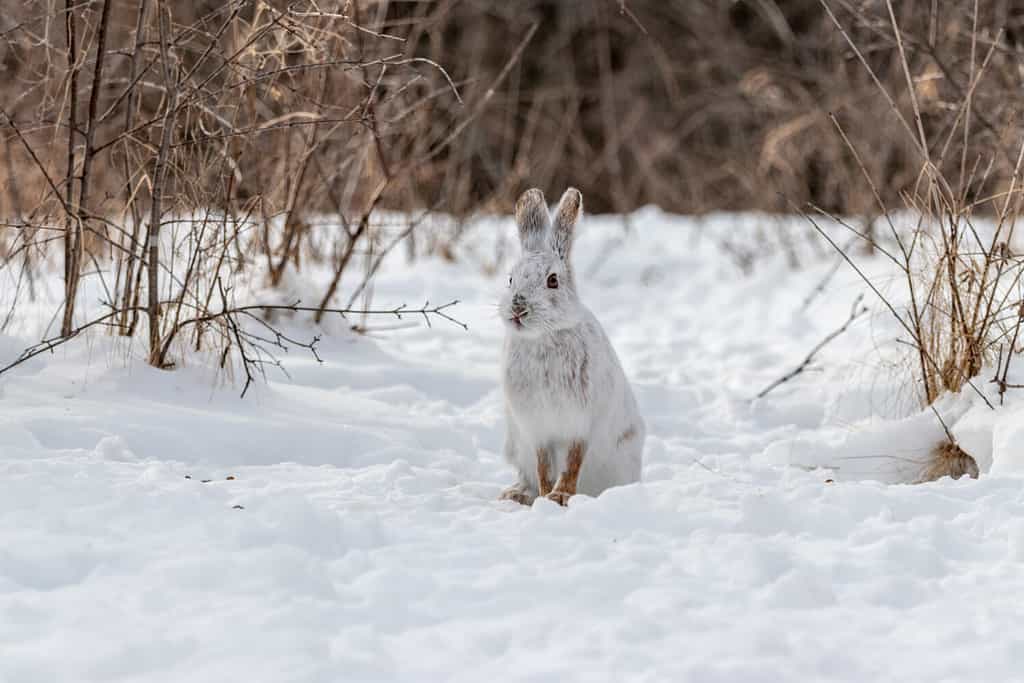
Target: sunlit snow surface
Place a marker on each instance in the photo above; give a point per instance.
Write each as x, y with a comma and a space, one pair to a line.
770, 540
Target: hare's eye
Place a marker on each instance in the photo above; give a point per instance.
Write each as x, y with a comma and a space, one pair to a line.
552, 281
509, 280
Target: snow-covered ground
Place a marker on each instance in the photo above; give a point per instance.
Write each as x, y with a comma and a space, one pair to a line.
349, 528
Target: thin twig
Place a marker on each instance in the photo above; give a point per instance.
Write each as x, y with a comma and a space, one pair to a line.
856, 310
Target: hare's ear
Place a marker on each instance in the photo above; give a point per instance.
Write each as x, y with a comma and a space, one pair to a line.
566, 216
532, 219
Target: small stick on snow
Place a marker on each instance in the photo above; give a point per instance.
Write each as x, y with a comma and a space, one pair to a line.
856, 310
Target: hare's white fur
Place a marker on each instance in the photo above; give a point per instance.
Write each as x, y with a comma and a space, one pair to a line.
562, 380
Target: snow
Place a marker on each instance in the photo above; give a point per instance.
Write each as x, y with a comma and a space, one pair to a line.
342, 524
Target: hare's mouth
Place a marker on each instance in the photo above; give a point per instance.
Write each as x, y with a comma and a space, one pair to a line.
516, 322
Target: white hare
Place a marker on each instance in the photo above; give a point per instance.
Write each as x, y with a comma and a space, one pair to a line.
573, 423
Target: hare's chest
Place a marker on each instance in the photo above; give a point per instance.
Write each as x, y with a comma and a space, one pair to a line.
547, 386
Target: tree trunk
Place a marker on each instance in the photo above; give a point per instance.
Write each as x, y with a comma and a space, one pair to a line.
159, 178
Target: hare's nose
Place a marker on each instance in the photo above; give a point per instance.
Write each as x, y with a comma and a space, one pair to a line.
519, 306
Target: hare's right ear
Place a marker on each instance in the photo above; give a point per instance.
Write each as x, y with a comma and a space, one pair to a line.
566, 216
532, 219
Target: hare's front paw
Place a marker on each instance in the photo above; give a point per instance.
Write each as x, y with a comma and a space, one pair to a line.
560, 497
518, 494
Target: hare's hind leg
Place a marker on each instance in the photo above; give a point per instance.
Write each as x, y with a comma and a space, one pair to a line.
523, 491
519, 492
565, 487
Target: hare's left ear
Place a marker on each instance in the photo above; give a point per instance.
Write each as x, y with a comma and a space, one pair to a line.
532, 219
570, 207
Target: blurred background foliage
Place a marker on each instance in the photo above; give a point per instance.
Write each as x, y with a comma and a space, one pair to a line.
692, 105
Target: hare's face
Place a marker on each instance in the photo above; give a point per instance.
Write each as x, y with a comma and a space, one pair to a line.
541, 295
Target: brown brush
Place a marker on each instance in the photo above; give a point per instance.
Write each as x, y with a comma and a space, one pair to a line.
948, 460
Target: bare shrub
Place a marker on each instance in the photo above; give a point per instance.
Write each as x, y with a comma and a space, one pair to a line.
181, 150
961, 306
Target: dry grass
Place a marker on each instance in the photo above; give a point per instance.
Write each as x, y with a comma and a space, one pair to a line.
948, 460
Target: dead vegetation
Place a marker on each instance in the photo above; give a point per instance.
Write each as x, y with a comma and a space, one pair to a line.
948, 460
162, 153
692, 106
166, 152
952, 239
